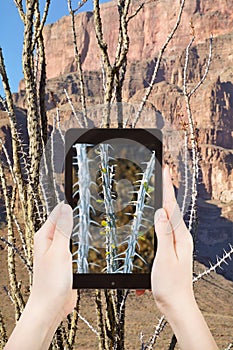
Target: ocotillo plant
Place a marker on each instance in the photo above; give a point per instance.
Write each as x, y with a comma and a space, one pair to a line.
82, 210
110, 223
140, 205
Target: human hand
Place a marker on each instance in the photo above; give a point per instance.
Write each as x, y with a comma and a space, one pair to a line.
52, 297
52, 268
171, 276
172, 273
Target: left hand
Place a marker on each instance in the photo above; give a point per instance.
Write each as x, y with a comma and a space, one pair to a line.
52, 268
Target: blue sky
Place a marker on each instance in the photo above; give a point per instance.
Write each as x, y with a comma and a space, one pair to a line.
11, 34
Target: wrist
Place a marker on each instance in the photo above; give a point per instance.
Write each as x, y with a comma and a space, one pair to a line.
47, 313
176, 304
35, 328
186, 320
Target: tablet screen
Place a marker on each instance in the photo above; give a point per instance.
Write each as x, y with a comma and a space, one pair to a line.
112, 190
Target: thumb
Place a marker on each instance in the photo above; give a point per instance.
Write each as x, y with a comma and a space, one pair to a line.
64, 227
163, 231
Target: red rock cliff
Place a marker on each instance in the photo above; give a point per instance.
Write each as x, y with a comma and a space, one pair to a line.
147, 32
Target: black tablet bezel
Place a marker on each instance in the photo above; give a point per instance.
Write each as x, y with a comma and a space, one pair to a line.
150, 138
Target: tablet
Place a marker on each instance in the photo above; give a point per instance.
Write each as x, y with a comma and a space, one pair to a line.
113, 181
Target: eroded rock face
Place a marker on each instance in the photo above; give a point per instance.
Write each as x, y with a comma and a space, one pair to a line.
212, 105
147, 31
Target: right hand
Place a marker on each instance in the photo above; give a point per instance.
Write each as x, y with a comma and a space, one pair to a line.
171, 277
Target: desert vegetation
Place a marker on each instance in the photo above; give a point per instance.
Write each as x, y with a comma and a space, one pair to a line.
26, 200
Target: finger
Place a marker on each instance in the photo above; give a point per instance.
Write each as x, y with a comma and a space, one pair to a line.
140, 292
164, 233
44, 236
172, 208
64, 227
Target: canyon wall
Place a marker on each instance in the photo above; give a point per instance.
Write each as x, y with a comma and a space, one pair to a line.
212, 105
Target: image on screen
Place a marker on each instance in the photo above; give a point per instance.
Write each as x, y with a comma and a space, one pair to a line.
113, 194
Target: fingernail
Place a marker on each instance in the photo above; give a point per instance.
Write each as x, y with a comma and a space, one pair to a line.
64, 223
65, 209
159, 214
53, 217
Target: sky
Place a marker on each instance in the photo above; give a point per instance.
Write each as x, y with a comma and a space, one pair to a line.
11, 34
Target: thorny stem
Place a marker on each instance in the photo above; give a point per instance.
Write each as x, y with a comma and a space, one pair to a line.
52, 161
114, 73
218, 264
206, 69
73, 321
100, 322
9, 107
230, 346
138, 216
17, 251
185, 172
3, 335
195, 156
109, 74
79, 64
107, 178
82, 210
192, 133
73, 110
15, 291
158, 329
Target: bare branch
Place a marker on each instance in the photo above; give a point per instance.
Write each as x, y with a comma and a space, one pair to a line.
230, 346
99, 35
52, 161
15, 292
73, 321
88, 324
195, 155
206, 69
136, 12
173, 343
159, 328
100, 321
73, 110
19, 5
41, 23
9, 106
3, 336
17, 251
109, 72
193, 136
155, 72
186, 183
186, 66
8, 293
218, 264
79, 64
123, 38
59, 125
8, 160
80, 5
